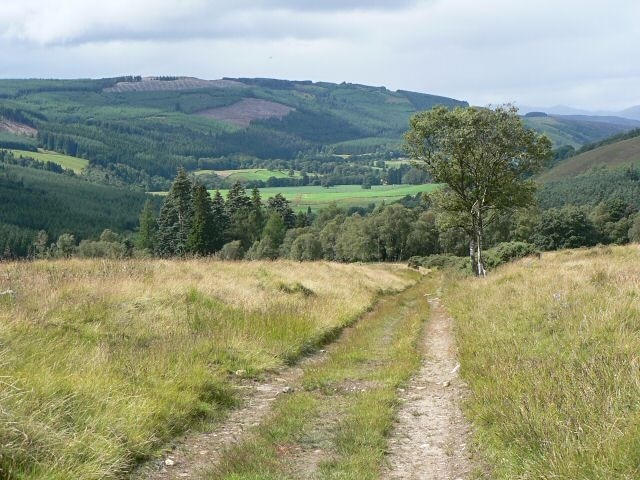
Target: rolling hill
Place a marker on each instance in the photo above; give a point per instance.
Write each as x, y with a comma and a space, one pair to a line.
603, 172
578, 130
155, 124
621, 152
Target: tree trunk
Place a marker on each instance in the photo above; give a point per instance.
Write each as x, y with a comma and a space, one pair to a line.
472, 255
480, 271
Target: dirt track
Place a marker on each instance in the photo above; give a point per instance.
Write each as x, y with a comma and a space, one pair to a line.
430, 441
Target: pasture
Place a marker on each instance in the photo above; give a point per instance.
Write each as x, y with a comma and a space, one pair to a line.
346, 196
65, 161
249, 174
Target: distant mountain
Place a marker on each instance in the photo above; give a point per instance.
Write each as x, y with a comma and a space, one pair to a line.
632, 113
154, 124
578, 130
555, 110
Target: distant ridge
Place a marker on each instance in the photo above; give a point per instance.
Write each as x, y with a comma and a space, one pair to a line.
632, 113
151, 84
619, 153
578, 130
149, 126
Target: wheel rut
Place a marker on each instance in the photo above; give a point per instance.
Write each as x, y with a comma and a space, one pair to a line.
195, 453
431, 438
429, 441
198, 451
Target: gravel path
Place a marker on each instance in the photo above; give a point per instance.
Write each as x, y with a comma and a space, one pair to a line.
430, 439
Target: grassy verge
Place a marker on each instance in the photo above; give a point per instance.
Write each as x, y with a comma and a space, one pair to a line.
550, 349
104, 361
335, 425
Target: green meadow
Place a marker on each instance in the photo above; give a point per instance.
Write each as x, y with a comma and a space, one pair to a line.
74, 163
318, 197
249, 174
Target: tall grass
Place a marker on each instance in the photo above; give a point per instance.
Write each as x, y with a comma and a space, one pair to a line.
345, 408
551, 351
101, 362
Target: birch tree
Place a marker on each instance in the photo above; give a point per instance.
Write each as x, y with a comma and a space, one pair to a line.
485, 158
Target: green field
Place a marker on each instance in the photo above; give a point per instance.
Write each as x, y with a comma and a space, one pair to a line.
318, 197
74, 163
248, 174
397, 163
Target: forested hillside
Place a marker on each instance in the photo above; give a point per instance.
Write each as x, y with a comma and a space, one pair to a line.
606, 171
35, 199
156, 124
578, 130
613, 152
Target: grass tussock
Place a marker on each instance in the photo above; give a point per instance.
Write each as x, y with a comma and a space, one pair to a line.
101, 362
551, 351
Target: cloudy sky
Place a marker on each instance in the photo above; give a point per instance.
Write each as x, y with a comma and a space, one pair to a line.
582, 53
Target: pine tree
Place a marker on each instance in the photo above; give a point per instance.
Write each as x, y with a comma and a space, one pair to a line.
220, 220
237, 200
256, 217
202, 233
239, 210
275, 229
282, 206
174, 222
41, 244
146, 239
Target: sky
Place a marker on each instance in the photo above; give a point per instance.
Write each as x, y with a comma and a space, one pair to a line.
582, 53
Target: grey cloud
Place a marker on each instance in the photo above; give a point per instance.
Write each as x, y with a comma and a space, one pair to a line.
542, 53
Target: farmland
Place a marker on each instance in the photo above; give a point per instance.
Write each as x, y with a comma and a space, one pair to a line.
346, 196
248, 174
65, 161
103, 362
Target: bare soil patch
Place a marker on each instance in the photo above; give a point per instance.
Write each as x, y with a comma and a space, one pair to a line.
245, 111
16, 128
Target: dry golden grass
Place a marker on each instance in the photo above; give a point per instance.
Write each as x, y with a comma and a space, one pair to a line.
551, 350
103, 361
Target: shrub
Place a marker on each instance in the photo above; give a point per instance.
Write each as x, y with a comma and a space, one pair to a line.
101, 249
507, 252
306, 247
440, 261
231, 251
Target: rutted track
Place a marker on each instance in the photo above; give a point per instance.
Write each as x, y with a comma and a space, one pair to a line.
430, 441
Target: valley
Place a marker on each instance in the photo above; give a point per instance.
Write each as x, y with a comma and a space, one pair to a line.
285, 240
